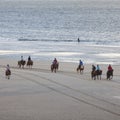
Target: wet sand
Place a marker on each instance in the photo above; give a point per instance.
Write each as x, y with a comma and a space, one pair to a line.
38, 94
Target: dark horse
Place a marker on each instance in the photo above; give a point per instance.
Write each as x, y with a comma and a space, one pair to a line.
8, 73
97, 73
80, 68
30, 63
54, 67
109, 75
21, 63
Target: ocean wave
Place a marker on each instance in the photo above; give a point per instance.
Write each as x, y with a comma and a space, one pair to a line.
98, 42
45, 40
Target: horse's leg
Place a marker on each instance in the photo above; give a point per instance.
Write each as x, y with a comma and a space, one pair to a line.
19, 65
110, 77
23, 66
8, 76
97, 77
92, 75
55, 70
107, 76
81, 71
77, 69
51, 68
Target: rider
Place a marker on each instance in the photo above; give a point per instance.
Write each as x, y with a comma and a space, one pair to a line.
29, 58
80, 63
55, 61
93, 68
110, 68
21, 58
98, 68
7, 67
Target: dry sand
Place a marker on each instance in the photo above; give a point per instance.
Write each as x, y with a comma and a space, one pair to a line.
38, 94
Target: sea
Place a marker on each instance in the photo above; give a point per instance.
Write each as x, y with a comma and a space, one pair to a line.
48, 29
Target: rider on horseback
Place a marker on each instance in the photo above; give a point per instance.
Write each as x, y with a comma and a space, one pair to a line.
21, 58
29, 58
98, 68
54, 65
80, 64
96, 72
93, 68
110, 72
110, 68
8, 67
55, 61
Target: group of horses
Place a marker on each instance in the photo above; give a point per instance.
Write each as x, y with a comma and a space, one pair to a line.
97, 73
54, 67
22, 63
94, 74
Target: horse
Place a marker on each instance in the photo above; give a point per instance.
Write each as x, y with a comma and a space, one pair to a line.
109, 74
21, 63
30, 63
54, 67
80, 68
8, 73
97, 73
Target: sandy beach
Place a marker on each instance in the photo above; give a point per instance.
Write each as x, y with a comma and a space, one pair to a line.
39, 94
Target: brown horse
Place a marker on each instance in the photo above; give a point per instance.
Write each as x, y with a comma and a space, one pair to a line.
30, 63
97, 73
21, 63
80, 68
8, 73
109, 75
54, 67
